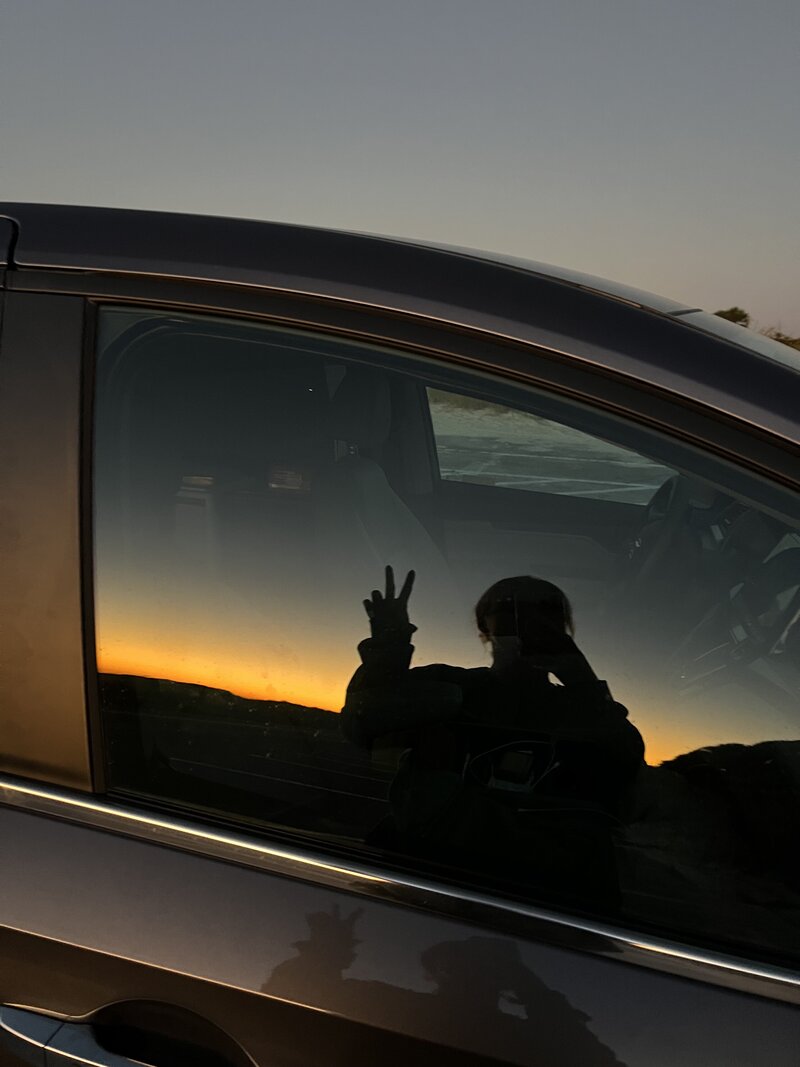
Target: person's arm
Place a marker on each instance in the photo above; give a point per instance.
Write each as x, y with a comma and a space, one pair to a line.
586, 711
384, 696
583, 708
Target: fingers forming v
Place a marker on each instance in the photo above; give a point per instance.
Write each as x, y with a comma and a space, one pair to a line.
408, 585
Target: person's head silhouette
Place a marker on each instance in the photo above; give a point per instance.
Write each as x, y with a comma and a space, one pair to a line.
524, 616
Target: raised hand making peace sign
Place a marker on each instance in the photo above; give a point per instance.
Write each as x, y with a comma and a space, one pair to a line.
387, 613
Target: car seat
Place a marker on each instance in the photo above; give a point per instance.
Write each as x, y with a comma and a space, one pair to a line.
365, 521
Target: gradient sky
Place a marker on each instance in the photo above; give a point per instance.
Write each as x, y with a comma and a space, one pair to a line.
655, 143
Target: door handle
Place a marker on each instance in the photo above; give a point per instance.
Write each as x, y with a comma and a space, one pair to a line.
40, 1041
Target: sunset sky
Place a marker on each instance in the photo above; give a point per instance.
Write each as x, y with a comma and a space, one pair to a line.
653, 143
310, 661
270, 636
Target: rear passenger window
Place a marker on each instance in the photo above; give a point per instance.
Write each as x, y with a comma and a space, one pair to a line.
586, 697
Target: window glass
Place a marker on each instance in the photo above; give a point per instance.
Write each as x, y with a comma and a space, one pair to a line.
586, 699
491, 444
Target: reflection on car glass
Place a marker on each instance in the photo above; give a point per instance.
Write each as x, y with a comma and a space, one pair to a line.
503, 769
489, 444
251, 486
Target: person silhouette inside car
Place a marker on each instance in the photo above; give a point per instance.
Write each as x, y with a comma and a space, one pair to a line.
503, 769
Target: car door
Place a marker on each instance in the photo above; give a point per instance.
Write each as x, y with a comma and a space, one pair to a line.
195, 860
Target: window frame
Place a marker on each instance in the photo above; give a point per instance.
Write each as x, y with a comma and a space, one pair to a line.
277, 834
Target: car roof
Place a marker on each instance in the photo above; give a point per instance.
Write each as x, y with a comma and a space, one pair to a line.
90, 238
614, 326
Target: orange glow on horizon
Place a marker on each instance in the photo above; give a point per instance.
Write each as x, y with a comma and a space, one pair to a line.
198, 671
248, 683
307, 658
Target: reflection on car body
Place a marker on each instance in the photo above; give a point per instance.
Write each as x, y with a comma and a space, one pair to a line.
223, 839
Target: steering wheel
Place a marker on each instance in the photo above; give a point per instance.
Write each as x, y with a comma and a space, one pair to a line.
655, 542
759, 617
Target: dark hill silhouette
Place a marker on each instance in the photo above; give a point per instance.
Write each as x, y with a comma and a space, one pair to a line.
190, 698
263, 760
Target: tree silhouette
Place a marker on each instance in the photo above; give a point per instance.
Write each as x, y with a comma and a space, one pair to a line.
784, 338
735, 314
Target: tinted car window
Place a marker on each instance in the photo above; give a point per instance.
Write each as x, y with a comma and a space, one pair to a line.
584, 699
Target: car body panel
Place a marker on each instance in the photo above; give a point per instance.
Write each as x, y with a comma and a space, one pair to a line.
254, 934
580, 279
42, 683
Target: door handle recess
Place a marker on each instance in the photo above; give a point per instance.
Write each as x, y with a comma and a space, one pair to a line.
25, 1034
40, 1041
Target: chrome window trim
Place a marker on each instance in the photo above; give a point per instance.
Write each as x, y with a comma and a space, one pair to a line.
509, 916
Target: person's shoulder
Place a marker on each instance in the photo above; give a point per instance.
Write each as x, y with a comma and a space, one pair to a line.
445, 672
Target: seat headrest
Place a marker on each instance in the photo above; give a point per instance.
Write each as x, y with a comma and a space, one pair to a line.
701, 494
